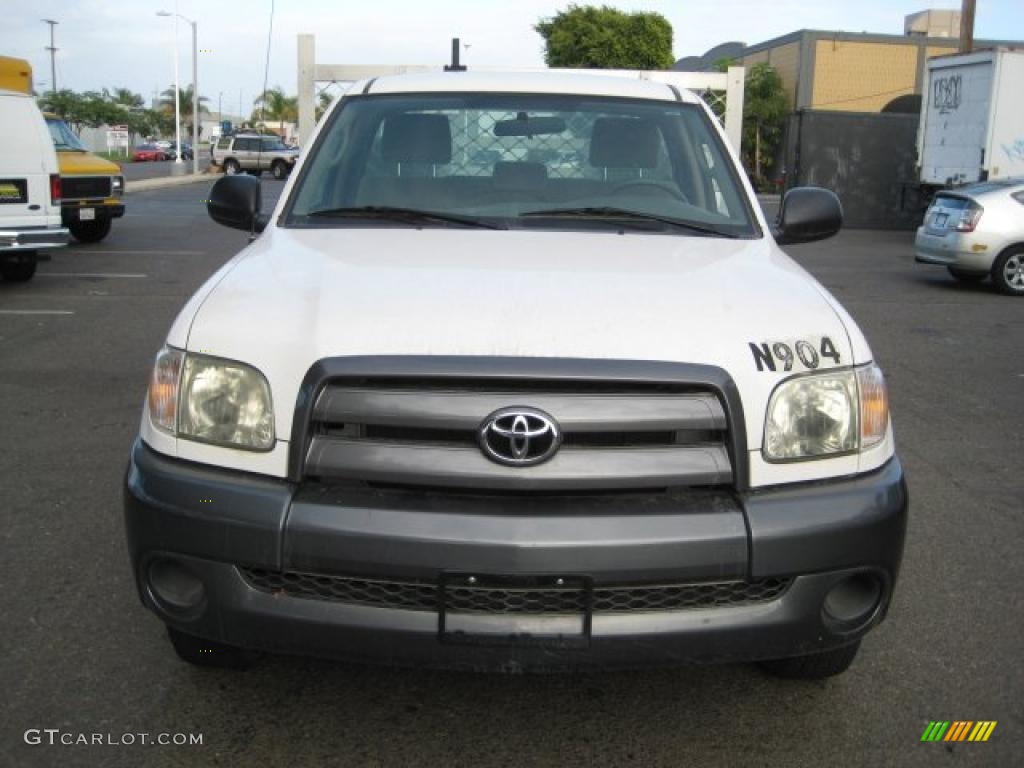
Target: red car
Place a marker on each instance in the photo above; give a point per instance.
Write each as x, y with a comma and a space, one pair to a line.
148, 152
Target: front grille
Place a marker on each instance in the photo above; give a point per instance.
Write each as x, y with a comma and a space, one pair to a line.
614, 436
506, 599
75, 187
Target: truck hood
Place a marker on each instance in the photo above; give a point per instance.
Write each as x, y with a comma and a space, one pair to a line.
296, 296
74, 162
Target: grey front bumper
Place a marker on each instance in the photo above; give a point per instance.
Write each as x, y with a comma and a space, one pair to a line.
213, 521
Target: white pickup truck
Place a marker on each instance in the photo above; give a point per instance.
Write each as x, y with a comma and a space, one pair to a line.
515, 375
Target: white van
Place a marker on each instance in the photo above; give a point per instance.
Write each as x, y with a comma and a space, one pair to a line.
29, 188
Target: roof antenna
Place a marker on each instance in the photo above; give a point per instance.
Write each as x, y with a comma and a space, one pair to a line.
455, 66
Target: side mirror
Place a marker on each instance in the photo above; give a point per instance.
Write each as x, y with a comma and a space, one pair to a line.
808, 214
235, 201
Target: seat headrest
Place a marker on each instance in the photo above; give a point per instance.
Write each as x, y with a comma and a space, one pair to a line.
509, 175
624, 142
416, 138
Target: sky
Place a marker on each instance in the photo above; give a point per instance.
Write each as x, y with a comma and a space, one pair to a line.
123, 43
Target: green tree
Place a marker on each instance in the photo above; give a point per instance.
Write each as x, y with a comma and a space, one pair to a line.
65, 104
324, 101
275, 105
765, 109
602, 37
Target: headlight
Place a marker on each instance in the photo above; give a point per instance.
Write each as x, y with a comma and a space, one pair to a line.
117, 185
826, 414
211, 400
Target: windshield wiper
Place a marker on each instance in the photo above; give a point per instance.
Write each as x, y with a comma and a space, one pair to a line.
610, 212
412, 215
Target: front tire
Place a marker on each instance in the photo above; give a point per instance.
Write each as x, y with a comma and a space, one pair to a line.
966, 277
207, 653
279, 170
814, 666
231, 167
18, 271
1008, 271
90, 231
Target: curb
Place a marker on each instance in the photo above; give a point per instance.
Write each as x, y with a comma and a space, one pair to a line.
144, 185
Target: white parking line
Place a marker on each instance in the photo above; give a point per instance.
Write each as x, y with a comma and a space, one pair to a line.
89, 274
35, 312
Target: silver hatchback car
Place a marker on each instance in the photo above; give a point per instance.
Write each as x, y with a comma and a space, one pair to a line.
976, 232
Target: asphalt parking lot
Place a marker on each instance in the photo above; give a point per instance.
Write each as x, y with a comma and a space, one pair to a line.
80, 653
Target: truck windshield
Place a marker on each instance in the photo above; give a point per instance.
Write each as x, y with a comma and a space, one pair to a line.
63, 137
521, 161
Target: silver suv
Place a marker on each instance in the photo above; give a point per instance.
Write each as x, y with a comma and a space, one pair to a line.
254, 154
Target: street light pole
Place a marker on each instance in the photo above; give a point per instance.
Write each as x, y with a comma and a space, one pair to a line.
195, 88
177, 101
195, 99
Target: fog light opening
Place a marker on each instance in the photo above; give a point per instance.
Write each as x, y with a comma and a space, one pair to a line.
175, 587
854, 600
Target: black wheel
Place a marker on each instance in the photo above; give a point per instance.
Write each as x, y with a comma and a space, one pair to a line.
815, 666
1008, 271
966, 277
231, 167
207, 653
279, 169
90, 231
18, 271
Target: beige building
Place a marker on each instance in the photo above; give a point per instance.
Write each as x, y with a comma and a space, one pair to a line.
850, 71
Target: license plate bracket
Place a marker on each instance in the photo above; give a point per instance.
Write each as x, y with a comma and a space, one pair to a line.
86, 214
568, 626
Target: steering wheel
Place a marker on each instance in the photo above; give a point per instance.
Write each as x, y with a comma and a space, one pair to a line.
652, 185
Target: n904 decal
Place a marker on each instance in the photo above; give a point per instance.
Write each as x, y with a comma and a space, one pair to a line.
780, 355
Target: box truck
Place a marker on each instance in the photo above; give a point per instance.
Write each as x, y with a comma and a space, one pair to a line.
972, 118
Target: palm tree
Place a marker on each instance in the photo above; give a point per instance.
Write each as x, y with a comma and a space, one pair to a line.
276, 106
184, 104
323, 103
125, 97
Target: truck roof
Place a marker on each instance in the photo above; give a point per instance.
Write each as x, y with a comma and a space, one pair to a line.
551, 81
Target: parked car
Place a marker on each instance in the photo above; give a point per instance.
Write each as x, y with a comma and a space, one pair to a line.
30, 189
510, 421
145, 153
977, 232
254, 153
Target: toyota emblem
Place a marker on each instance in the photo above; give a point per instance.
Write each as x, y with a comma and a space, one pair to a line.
519, 437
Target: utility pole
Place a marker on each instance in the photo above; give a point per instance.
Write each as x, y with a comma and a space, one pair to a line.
967, 26
53, 56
